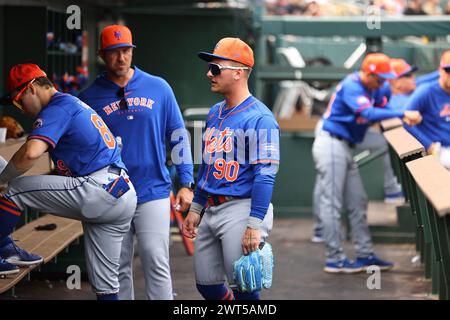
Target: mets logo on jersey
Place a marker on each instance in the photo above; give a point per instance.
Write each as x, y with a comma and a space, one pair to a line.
445, 112
38, 123
218, 141
221, 141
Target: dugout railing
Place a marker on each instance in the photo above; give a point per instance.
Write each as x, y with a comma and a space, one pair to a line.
427, 187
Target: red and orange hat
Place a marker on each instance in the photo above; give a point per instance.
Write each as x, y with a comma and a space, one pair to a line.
445, 59
233, 49
116, 36
19, 75
401, 67
379, 64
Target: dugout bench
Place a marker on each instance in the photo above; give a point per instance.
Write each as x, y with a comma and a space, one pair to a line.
47, 243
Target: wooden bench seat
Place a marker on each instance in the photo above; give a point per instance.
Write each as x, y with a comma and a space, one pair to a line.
46, 243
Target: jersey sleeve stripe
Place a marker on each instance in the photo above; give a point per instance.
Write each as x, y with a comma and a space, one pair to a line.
45, 139
363, 107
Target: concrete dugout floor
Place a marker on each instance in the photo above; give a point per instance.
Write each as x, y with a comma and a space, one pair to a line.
298, 273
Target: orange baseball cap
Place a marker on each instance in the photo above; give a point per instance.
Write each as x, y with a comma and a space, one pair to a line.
445, 59
116, 36
233, 49
379, 64
19, 75
401, 67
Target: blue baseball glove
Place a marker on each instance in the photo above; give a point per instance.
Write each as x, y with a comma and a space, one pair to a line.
254, 271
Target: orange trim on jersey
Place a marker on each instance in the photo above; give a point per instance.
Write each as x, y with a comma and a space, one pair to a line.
45, 139
368, 105
237, 111
207, 174
16, 213
113, 185
384, 102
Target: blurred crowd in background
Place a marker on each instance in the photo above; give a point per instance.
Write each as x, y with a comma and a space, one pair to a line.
357, 7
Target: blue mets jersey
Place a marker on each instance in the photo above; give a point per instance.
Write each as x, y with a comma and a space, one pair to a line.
353, 107
80, 142
434, 105
150, 118
427, 78
240, 154
398, 101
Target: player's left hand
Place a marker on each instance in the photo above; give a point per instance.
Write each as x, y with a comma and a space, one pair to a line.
251, 240
184, 199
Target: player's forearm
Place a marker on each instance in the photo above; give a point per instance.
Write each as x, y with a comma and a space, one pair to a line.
20, 163
378, 114
200, 200
261, 197
419, 135
185, 173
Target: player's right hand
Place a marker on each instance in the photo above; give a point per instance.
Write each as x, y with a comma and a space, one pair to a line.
434, 149
412, 117
190, 224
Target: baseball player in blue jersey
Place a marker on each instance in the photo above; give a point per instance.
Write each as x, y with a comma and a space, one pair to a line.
433, 101
397, 91
426, 78
403, 85
357, 102
142, 110
92, 185
236, 177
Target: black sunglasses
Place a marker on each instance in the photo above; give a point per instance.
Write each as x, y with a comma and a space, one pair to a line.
447, 69
123, 102
407, 75
216, 68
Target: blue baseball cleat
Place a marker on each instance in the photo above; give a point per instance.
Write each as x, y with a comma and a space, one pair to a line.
395, 198
373, 260
18, 256
343, 266
7, 268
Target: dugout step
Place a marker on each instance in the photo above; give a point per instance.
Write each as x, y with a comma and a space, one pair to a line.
390, 223
46, 243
